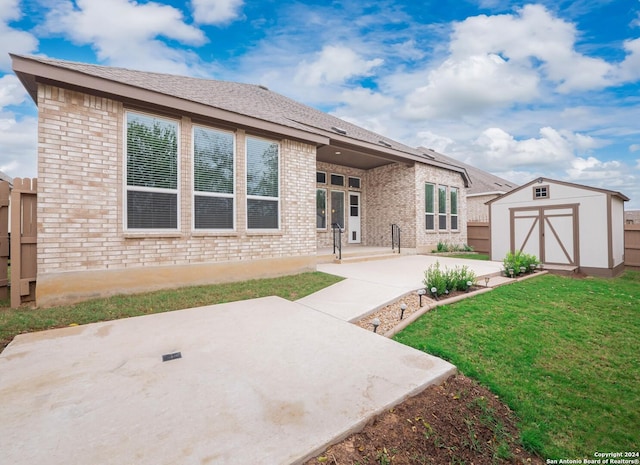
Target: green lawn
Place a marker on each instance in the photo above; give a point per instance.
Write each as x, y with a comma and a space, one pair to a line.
25, 319
471, 256
563, 353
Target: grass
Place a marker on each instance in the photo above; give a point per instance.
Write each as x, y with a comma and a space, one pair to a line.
563, 353
14, 321
471, 256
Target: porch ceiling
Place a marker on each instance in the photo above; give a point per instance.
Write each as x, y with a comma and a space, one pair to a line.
352, 158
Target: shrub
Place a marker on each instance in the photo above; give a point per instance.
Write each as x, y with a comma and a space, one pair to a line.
448, 279
446, 247
514, 261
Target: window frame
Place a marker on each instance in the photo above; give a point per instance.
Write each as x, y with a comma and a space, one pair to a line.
126, 188
540, 189
249, 197
337, 175
431, 213
194, 192
358, 187
324, 173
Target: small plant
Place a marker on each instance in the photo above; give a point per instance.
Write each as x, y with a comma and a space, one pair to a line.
443, 247
448, 280
515, 262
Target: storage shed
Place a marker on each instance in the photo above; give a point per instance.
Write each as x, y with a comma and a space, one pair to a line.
561, 223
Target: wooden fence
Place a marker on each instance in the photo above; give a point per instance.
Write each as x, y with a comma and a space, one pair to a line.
478, 236
632, 246
18, 206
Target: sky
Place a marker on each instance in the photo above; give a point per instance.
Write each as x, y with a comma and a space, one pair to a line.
548, 88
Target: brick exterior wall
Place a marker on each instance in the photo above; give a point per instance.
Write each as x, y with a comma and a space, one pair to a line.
428, 240
395, 194
81, 194
476, 208
391, 200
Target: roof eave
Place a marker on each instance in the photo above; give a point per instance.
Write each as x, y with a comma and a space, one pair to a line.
30, 72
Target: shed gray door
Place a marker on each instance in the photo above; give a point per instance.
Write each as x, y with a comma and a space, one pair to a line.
550, 233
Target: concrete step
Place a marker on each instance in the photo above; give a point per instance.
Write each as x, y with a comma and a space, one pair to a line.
366, 258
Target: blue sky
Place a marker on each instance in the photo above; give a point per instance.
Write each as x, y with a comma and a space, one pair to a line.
518, 89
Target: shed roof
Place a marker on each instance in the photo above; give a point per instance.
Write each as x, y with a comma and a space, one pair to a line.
244, 105
564, 183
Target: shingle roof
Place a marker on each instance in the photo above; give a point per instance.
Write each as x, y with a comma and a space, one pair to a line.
244, 99
482, 182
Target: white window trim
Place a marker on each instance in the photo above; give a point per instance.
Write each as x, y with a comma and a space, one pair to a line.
258, 197
126, 188
359, 188
325, 177
213, 194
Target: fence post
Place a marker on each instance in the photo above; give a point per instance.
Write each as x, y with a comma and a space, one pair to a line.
5, 192
24, 241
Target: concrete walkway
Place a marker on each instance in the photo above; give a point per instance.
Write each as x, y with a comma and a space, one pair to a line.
265, 381
370, 285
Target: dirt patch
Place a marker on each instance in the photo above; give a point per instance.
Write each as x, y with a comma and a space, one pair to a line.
458, 422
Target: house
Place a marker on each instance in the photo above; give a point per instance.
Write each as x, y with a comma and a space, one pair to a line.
483, 187
561, 223
149, 181
632, 217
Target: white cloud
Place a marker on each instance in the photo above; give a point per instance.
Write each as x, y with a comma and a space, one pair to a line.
215, 11
470, 86
435, 142
131, 42
13, 40
629, 69
18, 139
11, 91
553, 149
532, 37
334, 65
634, 148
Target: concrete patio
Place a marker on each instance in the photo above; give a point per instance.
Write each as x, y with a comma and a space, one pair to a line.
260, 381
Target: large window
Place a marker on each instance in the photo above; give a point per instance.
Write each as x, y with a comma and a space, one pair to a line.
321, 208
429, 206
151, 172
213, 178
453, 201
442, 208
263, 192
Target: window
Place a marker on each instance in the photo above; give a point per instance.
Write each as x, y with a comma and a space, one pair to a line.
213, 179
540, 192
337, 180
321, 209
263, 198
321, 177
354, 183
337, 208
429, 209
453, 201
442, 207
151, 172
